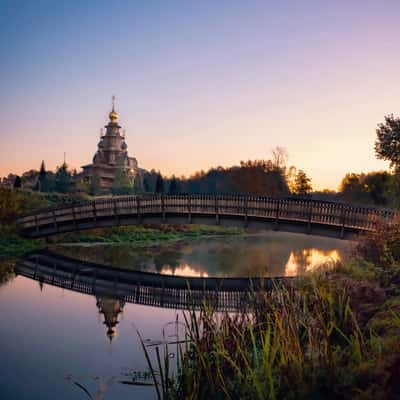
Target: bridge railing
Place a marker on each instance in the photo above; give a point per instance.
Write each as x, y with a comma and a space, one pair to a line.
243, 206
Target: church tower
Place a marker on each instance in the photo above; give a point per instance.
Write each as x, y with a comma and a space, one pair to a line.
111, 158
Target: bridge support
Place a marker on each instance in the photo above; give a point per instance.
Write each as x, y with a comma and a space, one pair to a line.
163, 208
309, 219
246, 212
276, 227
189, 207
216, 211
116, 215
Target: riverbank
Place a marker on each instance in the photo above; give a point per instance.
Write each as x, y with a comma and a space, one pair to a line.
144, 235
12, 245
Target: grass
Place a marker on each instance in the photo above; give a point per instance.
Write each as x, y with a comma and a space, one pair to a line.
144, 234
329, 336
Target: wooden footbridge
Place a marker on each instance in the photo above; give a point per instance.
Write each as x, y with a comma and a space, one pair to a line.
297, 215
228, 294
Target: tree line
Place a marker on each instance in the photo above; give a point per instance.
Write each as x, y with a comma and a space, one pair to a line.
269, 177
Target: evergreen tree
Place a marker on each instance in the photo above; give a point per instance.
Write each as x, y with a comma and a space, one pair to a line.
63, 179
146, 184
94, 185
174, 186
159, 184
122, 184
17, 182
42, 179
138, 186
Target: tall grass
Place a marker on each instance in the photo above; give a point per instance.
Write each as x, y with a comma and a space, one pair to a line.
297, 343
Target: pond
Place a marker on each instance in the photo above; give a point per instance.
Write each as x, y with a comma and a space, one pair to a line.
52, 337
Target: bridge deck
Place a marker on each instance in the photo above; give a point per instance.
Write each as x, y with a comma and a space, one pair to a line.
303, 215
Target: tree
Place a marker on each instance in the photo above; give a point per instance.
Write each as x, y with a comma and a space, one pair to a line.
302, 184
17, 182
279, 158
9, 206
146, 184
122, 184
82, 185
138, 186
94, 185
387, 144
174, 186
63, 179
159, 184
372, 188
42, 179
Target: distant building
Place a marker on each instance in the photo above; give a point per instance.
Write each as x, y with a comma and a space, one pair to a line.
111, 157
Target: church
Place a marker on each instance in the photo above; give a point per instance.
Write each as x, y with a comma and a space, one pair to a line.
111, 159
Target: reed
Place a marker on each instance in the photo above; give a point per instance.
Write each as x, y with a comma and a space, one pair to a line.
294, 342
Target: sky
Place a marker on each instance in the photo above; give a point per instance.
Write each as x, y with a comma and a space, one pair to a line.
199, 84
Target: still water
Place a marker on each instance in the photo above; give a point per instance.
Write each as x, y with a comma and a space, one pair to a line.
51, 337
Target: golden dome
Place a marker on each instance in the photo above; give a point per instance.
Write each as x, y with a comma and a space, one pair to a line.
113, 116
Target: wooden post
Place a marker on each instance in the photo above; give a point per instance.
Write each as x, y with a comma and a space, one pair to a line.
163, 207
138, 287
216, 210
94, 210
94, 279
54, 219
73, 214
309, 217
277, 215
115, 209
342, 232
189, 207
54, 272
246, 211
138, 208
36, 224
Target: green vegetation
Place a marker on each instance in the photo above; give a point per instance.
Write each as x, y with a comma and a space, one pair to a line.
329, 335
12, 245
144, 235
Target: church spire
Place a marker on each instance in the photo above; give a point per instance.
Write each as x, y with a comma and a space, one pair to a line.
113, 114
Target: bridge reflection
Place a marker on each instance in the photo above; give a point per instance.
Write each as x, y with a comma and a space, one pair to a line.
125, 286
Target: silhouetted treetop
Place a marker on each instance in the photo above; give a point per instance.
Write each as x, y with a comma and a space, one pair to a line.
387, 145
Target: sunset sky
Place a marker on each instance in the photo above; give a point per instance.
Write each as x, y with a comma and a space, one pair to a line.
199, 83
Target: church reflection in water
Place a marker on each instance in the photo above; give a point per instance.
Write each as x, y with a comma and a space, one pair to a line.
110, 308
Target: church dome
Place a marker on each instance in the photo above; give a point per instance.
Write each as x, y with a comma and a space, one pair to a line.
113, 116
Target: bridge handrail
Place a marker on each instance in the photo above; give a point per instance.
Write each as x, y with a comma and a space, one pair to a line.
241, 205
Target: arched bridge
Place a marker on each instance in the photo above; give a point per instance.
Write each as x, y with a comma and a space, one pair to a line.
297, 215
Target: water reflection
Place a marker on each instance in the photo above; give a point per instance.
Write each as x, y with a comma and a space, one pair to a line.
61, 324
6, 271
110, 308
271, 254
307, 260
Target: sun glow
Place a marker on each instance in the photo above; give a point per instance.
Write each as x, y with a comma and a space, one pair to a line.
309, 260
184, 270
